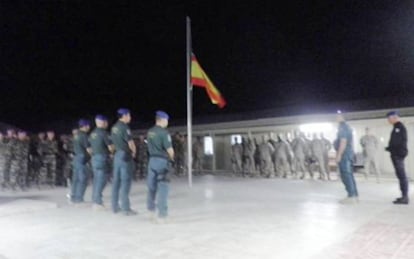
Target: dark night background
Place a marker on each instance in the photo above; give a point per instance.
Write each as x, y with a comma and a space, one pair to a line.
61, 60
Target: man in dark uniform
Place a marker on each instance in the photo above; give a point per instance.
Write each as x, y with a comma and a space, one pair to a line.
101, 147
398, 149
161, 152
344, 155
125, 151
80, 169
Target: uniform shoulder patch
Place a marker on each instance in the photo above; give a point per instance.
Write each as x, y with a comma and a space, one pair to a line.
397, 130
115, 130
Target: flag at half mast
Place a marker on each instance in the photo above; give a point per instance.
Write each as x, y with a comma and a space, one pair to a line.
199, 78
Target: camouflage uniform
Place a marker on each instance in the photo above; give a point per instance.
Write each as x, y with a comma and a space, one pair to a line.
142, 159
198, 154
7, 160
41, 149
67, 157
282, 155
249, 150
34, 162
300, 149
178, 146
49, 150
266, 150
318, 147
236, 158
19, 163
4, 149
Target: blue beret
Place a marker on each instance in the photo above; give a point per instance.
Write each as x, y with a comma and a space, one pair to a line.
393, 113
83, 123
123, 111
162, 115
101, 117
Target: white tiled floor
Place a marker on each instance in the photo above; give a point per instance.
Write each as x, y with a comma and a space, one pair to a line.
220, 217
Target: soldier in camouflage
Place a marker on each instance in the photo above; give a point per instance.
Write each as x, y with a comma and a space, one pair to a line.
10, 140
142, 157
282, 155
3, 151
19, 161
68, 157
41, 149
318, 149
249, 149
64, 153
198, 155
179, 148
266, 150
49, 157
236, 157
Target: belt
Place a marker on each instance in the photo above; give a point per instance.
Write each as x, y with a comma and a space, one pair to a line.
159, 156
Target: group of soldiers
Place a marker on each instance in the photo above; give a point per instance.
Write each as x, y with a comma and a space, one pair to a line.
180, 147
26, 160
297, 157
43, 160
282, 157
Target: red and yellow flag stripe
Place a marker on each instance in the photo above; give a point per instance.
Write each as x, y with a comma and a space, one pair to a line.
199, 78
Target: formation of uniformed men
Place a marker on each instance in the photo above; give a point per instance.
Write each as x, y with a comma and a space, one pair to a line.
282, 157
46, 161
99, 146
38, 160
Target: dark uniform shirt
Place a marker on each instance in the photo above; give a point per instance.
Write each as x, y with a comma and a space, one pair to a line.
99, 139
159, 140
121, 135
80, 143
398, 141
345, 132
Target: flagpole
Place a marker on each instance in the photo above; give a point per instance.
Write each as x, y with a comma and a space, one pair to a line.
189, 106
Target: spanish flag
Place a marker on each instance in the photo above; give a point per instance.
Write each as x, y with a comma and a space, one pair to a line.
199, 78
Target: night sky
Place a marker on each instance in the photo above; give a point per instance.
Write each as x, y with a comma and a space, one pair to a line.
61, 60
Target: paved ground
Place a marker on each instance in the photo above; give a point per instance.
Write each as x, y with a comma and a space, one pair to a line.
220, 217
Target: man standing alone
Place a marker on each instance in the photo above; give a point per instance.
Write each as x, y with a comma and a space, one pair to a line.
398, 149
344, 155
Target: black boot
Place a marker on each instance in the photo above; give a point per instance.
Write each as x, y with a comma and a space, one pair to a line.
403, 200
